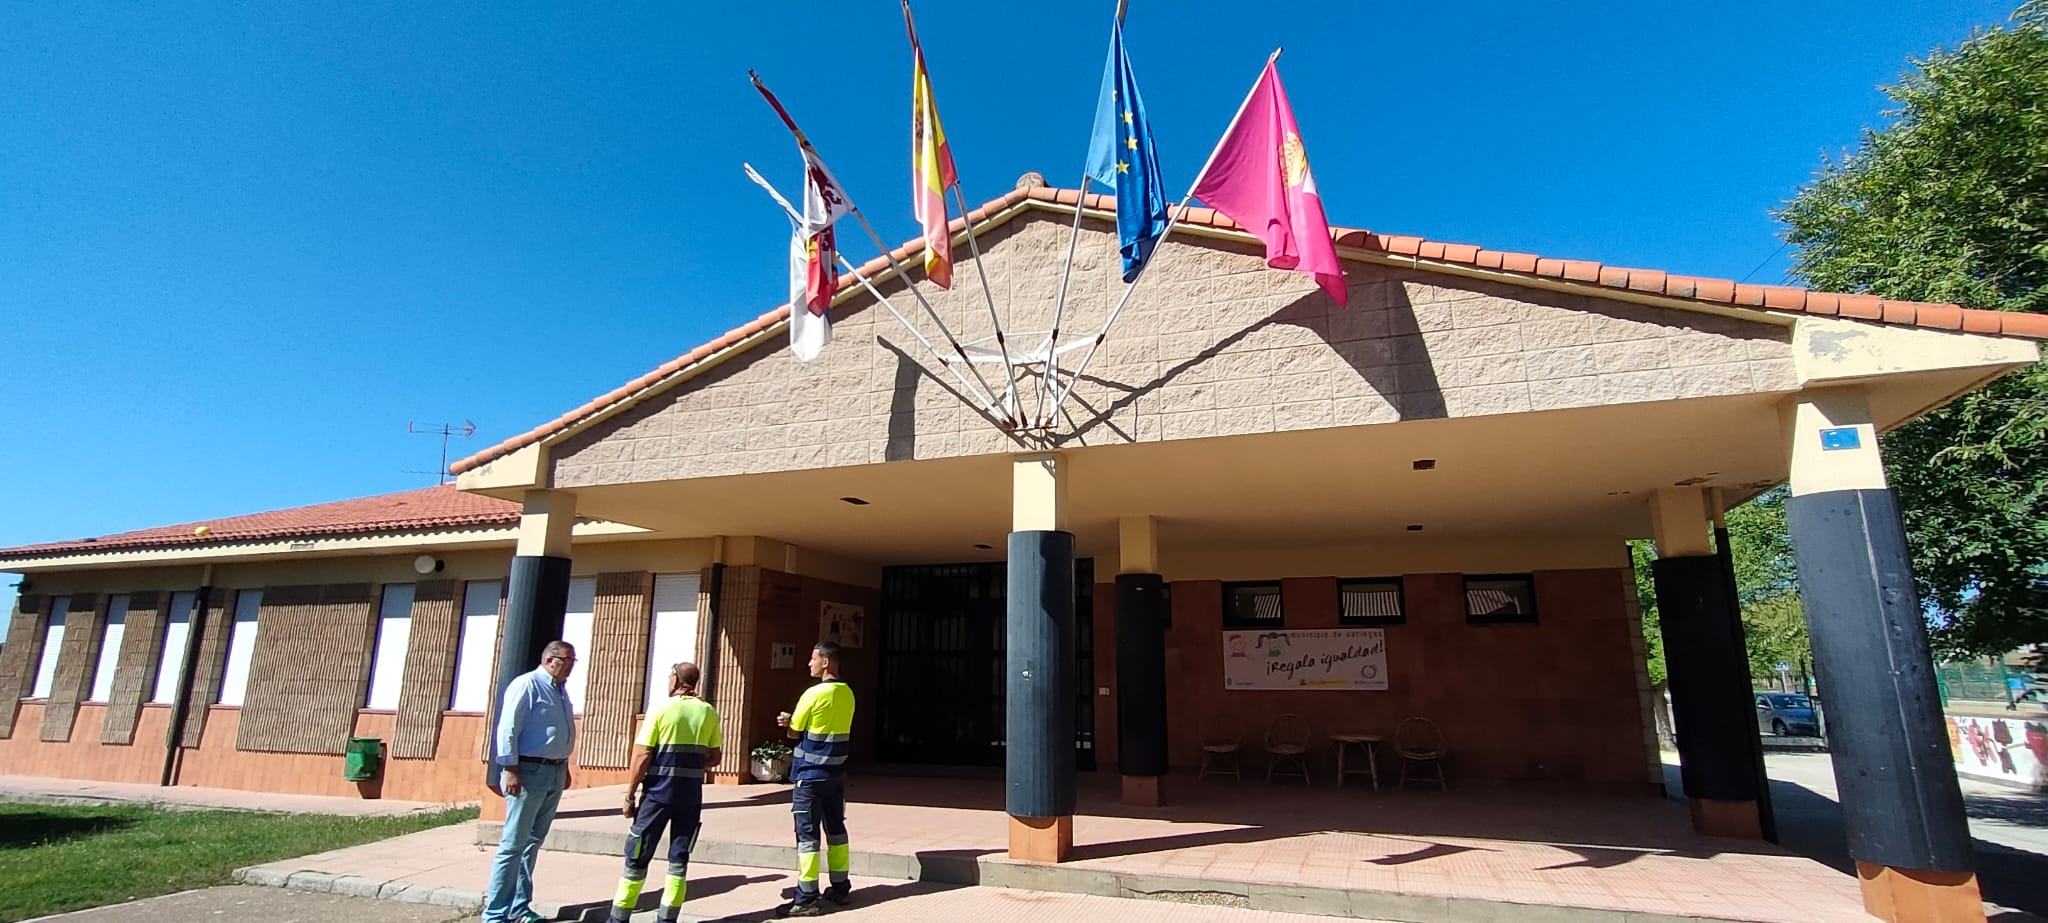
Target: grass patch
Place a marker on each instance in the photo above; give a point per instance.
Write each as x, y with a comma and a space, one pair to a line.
58, 859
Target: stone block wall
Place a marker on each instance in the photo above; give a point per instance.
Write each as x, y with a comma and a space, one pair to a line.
1211, 344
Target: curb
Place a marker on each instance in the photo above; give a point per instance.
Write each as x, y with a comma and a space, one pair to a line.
405, 892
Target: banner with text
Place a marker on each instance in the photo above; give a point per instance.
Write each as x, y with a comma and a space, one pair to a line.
1334, 658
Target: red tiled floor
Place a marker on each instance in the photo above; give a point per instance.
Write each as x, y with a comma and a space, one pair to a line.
1609, 852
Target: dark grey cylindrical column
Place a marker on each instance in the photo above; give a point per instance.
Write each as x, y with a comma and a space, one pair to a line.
1039, 705
1901, 804
1711, 707
1141, 674
536, 599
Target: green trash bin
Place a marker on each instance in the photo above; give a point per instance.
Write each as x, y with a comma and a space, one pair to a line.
364, 756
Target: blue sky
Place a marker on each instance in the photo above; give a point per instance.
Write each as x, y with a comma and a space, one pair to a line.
241, 245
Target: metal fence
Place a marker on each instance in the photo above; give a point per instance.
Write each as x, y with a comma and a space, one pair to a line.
1978, 680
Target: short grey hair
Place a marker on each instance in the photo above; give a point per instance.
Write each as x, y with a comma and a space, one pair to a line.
557, 649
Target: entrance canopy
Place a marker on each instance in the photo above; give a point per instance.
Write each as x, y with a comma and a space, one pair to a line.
1464, 397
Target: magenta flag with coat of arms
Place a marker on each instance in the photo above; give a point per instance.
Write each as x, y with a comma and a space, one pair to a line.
1259, 177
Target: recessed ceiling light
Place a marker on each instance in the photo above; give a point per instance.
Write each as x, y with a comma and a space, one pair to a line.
1425, 464
984, 546
856, 501
1415, 528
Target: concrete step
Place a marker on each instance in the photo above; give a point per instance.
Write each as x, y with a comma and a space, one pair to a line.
991, 868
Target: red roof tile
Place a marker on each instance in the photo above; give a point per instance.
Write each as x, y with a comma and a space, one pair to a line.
1777, 298
410, 511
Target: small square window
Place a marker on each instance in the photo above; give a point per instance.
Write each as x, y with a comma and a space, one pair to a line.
1252, 605
1492, 599
1375, 601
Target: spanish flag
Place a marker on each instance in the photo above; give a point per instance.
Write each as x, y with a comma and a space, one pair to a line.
931, 167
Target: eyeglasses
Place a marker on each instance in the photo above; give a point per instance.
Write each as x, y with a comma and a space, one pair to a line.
564, 659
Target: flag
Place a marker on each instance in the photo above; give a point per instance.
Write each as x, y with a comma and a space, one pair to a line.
1259, 177
1121, 156
810, 328
814, 274
931, 167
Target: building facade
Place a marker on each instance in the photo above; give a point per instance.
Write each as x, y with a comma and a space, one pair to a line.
1429, 491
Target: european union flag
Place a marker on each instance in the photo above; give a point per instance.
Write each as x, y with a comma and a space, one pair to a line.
1121, 156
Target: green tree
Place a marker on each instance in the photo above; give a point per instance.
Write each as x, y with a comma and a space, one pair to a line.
1766, 586
1948, 202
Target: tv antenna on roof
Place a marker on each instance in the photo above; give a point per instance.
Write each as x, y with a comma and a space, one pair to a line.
444, 430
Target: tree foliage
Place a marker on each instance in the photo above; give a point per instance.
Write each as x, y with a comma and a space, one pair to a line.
1948, 202
1766, 585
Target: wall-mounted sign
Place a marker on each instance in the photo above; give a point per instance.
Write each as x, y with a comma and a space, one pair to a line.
1334, 658
842, 623
782, 655
1835, 439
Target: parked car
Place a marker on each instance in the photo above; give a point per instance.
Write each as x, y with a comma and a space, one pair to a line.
1786, 713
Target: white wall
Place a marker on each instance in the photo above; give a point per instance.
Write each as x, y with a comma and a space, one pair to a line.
234, 682
46, 669
394, 635
110, 648
177, 628
577, 622
473, 657
673, 636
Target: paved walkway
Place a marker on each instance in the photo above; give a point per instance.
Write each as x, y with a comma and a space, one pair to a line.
444, 866
38, 790
1422, 855
2010, 827
270, 905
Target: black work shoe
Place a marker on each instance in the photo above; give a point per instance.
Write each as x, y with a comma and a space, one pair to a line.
809, 908
840, 893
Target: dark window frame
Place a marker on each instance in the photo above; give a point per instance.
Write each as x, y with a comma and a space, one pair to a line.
1490, 618
1230, 620
1400, 616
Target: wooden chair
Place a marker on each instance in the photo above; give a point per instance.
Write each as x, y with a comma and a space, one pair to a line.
1221, 740
1287, 741
1420, 744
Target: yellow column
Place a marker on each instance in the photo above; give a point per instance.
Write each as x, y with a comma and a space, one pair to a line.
545, 521
1038, 493
1137, 545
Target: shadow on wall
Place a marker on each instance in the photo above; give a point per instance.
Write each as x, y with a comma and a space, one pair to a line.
1406, 381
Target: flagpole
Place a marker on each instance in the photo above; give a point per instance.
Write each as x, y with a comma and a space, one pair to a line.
805, 143
852, 270
1050, 381
989, 295
1171, 223
911, 284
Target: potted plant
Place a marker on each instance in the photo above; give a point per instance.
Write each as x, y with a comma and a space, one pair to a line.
771, 761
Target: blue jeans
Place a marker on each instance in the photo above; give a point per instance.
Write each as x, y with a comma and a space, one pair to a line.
527, 818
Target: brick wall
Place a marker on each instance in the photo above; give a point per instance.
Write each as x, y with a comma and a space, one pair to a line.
1267, 352
738, 616
310, 669
77, 656
617, 664
25, 636
429, 669
210, 671
789, 610
142, 644
1554, 703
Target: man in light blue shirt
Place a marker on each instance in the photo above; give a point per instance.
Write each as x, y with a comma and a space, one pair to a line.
536, 730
